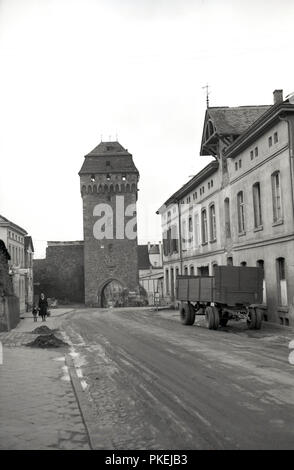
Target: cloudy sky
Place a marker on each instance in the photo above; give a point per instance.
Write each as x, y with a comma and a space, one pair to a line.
75, 70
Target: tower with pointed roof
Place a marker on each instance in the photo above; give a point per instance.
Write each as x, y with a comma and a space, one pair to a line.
108, 183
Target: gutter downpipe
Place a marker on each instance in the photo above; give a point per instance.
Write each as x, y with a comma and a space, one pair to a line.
291, 158
180, 236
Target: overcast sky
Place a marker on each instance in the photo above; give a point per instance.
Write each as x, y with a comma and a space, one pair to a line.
73, 70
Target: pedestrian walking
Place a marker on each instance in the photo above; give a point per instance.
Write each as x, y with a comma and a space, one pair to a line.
43, 306
35, 313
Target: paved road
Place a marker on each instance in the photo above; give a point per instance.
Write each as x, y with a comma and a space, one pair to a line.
157, 384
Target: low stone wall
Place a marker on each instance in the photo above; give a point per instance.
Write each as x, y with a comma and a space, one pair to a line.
9, 312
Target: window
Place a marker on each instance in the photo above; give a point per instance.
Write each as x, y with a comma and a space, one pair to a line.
212, 222
190, 228
251, 155
196, 230
276, 138
270, 141
256, 151
167, 281
257, 205
282, 283
240, 209
227, 218
240, 163
236, 166
93, 178
204, 225
276, 193
186, 270
208, 184
184, 235
191, 270
211, 183
243, 263
260, 264
229, 261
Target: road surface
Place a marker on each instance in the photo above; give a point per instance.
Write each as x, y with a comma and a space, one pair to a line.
156, 384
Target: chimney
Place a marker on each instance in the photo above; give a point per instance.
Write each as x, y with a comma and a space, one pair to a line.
278, 96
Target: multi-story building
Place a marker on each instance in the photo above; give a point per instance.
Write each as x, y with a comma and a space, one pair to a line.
20, 250
240, 208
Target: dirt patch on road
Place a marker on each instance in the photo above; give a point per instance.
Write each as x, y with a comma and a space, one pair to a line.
47, 341
42, 330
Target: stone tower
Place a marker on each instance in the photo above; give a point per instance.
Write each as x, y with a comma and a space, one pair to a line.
108, 182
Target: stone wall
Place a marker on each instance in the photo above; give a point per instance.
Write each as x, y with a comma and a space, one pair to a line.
61, 273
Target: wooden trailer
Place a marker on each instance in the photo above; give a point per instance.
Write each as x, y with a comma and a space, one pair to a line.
234, 292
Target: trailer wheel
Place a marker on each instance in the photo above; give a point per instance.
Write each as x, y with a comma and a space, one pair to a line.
258, 322
251, 319
209, 317
187, 314
216, 318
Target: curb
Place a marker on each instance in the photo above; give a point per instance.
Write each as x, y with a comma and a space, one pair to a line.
97, 441
51, 316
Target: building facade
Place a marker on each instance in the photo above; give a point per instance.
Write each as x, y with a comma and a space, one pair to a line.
108, 183
240, 208
14, 238
151, 273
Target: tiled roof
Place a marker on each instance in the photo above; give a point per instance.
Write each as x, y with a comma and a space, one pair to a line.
263, 122
235, 121
143, 257
207, 171
108, 157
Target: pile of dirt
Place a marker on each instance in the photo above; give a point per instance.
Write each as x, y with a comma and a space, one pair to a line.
47, 341
42, 330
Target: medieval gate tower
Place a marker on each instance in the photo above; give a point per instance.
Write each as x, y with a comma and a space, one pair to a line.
108, 182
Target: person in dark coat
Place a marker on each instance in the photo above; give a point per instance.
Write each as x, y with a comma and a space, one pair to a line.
43, 306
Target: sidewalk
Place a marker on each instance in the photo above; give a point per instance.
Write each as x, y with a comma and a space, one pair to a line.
38, 407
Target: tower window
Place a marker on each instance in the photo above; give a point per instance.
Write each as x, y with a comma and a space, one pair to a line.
124, 177
93, 178
108, 177
270, 141
276, 137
